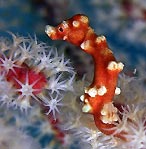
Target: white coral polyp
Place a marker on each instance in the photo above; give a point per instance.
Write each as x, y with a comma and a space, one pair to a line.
8, 63
53, 105
26, 89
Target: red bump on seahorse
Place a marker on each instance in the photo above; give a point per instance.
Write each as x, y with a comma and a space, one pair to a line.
98, 97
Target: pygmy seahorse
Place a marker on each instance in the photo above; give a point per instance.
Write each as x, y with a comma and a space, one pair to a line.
98, 97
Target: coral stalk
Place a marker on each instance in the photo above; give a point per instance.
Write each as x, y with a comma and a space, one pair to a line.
98, 97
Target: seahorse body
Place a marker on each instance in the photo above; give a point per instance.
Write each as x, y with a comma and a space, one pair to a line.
99, 95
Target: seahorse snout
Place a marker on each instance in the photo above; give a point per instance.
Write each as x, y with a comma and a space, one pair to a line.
50, 30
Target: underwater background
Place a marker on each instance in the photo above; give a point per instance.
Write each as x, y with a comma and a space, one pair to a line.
123, 22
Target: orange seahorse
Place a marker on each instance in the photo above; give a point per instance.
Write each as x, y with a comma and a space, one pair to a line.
99, 95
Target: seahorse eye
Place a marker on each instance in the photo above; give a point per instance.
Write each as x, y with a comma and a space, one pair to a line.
60, 29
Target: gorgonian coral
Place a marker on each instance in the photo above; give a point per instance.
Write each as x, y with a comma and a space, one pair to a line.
31, 71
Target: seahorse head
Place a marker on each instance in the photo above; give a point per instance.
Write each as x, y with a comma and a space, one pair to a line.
72, 30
